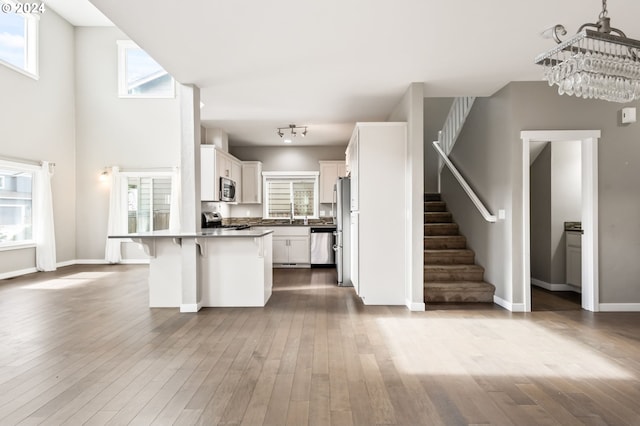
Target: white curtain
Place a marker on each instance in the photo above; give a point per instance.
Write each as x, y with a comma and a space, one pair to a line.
117, 224
174, 207
43, 229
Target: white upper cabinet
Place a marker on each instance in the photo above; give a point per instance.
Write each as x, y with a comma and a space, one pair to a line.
215, 164
330, 171
251, 182
352, 168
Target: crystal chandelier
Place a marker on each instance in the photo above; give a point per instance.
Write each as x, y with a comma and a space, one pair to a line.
594, 64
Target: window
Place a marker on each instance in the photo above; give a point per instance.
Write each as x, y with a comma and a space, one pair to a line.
148, 203
19, 37
15, 204
286, 190
139, 76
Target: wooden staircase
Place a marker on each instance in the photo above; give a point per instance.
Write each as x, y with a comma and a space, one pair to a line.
450, 272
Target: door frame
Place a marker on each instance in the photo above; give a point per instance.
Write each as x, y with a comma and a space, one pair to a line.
589, 157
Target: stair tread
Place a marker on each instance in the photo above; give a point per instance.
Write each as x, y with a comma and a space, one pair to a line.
449, 251
452, 285
470, 267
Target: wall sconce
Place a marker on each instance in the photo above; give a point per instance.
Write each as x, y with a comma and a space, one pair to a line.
103, 176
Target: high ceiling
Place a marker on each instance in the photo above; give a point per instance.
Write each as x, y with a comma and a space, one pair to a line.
327, 64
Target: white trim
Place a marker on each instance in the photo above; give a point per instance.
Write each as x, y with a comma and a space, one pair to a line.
286, 175
590, 251
415, 307
553, 287
465, 186
619, 307
513, 307
13, 274
135, 262
190, 307
18, 245
91, 262
65, 263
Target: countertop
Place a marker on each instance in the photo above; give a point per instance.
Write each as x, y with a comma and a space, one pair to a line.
208, 233
311, 225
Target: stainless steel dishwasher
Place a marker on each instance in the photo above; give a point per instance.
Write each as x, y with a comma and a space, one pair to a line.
322, 246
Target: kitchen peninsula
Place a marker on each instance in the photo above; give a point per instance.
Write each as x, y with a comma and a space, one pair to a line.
234, 268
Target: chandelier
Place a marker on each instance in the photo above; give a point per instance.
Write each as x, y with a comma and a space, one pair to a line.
598, 63
293, 132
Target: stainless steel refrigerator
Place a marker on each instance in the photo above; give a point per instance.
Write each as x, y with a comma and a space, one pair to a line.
342, 246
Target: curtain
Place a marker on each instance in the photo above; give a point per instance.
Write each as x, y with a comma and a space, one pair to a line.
174, 207
117, 223
43, 227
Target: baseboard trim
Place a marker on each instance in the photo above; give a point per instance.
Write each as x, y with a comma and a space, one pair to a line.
415, 307
513, 307
619, 307
66, 263
135, 261
190, 307
553, 287
17, 273
91, 262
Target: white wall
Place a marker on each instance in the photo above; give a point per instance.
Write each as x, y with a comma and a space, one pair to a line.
130, 133
37, 123
435, 114
411, 109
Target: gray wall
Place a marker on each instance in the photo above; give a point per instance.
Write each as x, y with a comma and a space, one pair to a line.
540, 197
489, 153
286, 158
435, 113
130, 133
37, 122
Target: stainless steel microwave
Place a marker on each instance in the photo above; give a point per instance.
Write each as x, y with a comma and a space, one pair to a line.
227, 189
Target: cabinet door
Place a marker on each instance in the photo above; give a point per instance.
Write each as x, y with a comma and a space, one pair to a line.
355, 264
574, 266
251, 182
353, 165
342, 169
208, 177
280, 250
299, 251
328, 177
223, 165
236, 175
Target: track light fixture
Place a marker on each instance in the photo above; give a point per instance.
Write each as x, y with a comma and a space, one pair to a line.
293, 132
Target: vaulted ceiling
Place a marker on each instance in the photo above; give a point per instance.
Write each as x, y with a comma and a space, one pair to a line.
327, 64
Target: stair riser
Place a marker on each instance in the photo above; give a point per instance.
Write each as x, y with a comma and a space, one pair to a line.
462, 275
457, 296
445, 259
457, 242
435, 206
441, 229
438, 217
432, 197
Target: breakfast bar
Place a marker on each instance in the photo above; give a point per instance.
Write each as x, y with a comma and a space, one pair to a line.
234, 267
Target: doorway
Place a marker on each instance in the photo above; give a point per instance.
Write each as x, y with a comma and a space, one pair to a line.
589, 209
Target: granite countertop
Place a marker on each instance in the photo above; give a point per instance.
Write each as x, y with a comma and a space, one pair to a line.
208, 233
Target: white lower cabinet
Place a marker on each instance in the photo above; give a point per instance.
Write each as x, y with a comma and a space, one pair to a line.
290, 246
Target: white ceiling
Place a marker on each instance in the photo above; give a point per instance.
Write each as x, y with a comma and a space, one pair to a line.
327, 64
79, 13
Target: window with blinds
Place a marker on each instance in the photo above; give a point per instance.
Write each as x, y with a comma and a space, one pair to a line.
287, 194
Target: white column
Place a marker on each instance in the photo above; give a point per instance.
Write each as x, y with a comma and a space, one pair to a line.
190, 203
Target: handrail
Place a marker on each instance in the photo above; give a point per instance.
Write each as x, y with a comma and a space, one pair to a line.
474, 198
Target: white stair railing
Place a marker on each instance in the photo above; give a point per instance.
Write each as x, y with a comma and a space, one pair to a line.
474, 198
446, 140
454, 123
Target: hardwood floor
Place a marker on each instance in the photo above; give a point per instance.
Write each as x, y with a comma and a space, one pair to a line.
80, 346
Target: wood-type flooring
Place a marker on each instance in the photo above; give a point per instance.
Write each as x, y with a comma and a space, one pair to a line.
80, 346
